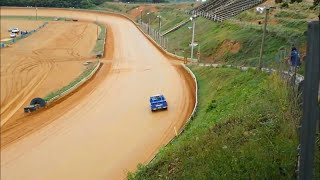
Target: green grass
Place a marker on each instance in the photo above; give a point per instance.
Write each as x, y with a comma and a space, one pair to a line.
99, 47
243, 129
292, 14
116, 7
317, 157
71, 84
248, 16
210, 35
33, 18
167, 22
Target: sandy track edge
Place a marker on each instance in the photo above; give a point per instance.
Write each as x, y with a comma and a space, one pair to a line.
73, 88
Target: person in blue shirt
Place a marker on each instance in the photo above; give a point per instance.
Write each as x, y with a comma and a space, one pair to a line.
294, 59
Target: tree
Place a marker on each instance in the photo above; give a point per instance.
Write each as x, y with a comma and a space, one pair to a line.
52, 3
297, 1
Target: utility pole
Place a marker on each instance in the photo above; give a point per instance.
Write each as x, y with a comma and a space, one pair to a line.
264, 35
159, 23
148, 23
159, 33
193, 29
149, 26
141, 17
310, 116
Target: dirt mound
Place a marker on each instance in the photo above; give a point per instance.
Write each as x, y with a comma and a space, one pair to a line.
227, 46
145, 8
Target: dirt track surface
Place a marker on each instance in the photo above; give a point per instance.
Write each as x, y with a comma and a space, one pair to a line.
105, 128
36, 65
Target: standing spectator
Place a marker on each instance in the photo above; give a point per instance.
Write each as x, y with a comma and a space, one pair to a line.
294, 60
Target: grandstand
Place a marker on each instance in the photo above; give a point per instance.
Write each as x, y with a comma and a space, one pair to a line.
220, 10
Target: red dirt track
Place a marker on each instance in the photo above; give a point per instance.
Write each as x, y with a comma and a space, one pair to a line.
105, 128
28, 66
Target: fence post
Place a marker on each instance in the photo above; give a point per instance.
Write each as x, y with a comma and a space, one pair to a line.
310, 104
263, 36
168, 44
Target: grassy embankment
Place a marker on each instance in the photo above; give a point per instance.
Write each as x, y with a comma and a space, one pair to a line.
238, 42
244, 128
233, 41
99, 47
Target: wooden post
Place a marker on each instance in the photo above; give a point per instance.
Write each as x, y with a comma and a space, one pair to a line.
310, 104
141, 17
168, 44
263, 36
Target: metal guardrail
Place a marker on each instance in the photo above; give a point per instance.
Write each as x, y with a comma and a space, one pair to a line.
298, 78
176, 27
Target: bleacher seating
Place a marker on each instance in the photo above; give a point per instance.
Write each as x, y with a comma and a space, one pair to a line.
220, 10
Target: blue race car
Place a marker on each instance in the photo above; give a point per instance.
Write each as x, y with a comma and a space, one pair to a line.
158, 102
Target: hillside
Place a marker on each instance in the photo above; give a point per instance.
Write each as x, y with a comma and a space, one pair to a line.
236, 41
244, 128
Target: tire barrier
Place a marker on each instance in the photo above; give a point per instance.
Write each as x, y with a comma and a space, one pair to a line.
35, 104
38, 103
24, 34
